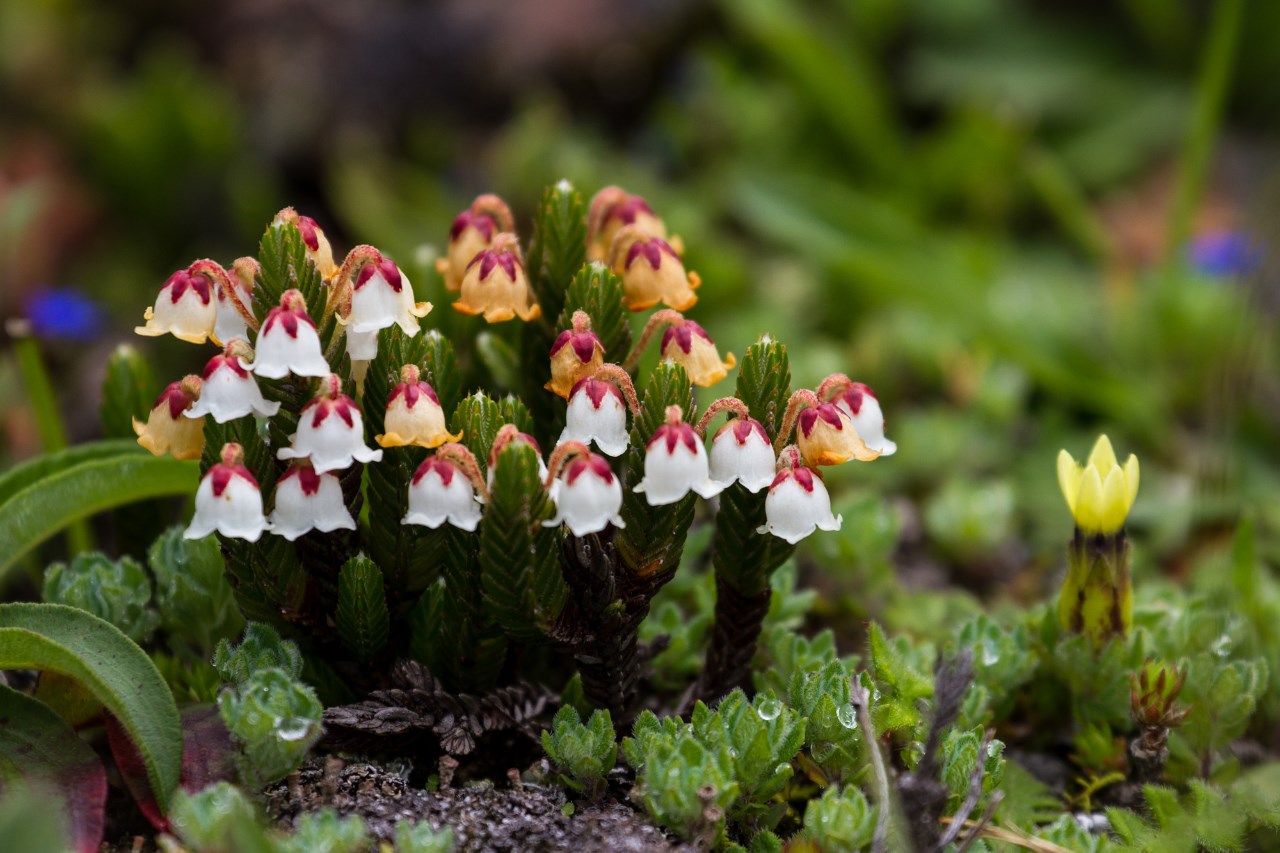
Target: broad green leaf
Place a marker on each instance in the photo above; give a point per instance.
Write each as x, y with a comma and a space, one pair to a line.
72, 642
25, 473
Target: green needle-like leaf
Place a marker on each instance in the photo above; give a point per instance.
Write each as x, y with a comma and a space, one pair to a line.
597, 291
363, 623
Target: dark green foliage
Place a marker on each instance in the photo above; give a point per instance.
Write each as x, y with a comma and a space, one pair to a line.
117, 591
1203, 819
1222, 696
584, 753
597, 291
558, 247
128, 391
520, 576
473, 646
841, 820
479, 417
195, 603
261, 648
362, 620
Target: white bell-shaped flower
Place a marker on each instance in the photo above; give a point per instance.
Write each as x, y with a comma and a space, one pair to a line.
675, 463
230, 323
441, 492
228, 500
741, 452
797, 504
587, 495
382, 297
229, 390
330, 431
500, 443
597, 413
306, 500
184, 308
288, 342
860, 404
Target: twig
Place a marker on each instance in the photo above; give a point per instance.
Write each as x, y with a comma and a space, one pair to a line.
971, 798
861, 702
982, 822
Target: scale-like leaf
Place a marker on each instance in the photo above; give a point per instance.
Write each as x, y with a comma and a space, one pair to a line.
363, 623
597, 291
558, 248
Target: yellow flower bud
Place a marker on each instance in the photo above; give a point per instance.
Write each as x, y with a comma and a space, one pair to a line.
1099, 493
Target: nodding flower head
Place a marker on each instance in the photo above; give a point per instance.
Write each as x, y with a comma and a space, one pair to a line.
613, 209
675, 463
688, 345
575, 355
306, 500
651, 271
473, 231
186, 308
859, 402
330, 431
288, 342
1099, 493
441, 492
597, 413
797, 503
741, 452
381, 296
228, 390
826, 436
495, 284
228, 500
170, 428
588, 496
414, 415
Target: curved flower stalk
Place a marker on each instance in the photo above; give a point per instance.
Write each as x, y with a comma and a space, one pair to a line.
234, 319
612, 209
597, 410
330, 431
859, 402
675, 463
740, 450
186, 308
447, 488
228, 390
576, 354
288, 342
414, 416
495, 284
228, 500
798, 503
651, 271
473, 231
824, 433
307, 500
587, 494
171, 426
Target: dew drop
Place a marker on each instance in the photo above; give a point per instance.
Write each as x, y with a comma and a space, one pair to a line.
822, 750
845, 715
291, 728
769, 708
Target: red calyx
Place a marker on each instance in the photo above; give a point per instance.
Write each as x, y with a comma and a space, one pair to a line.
489, 258
651, 250
342, 405
307, 226
443, 468
482, 222
673, 434
595, 389
411, 391
683, 334
825, 411
222, 474
390, 273
584, 344
177, 399
629, 210
223, 360
591, 462
802, 475
182, 281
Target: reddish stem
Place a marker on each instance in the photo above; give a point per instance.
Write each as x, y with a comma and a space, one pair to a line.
465, 461
494, 207
621, 379
802, 398
837, 382
657, 321
222, 279
724, 404
564, 453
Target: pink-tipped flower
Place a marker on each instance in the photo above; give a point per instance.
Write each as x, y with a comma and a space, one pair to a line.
318, 248
472, 232
230, 323
506, 435
495, 284
860, 404
184, 308
597, 413
228, 500
229, 391
741, 452
612, 209
688, 345
413, 414
307, 500
826, 436
441, 492
288, 342
651, 271
797, 504
330, 431
169, 429
675, 463
381, 297
576, 354
587, 495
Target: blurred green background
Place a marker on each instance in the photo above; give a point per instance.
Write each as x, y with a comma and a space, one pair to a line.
1022, 223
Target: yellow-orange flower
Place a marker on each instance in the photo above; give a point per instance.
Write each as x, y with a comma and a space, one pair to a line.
414, 415
651, 272
613, 209
575, 355
495, 284
168, 429
688, 344
826, 436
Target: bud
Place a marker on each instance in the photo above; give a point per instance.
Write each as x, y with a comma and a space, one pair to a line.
288, 342
1100, 493
675, 463
318, 248
798, 504
230, 323
330, 431
381, 297
575, 355
228, 500
306, 500
613, 209
587, 495
597, 412
651, 272
495, 284
414, 415
228, 390
440, 492
184, 308
688, 345
859, 402
500, 443
741, 452
826, 436
168, 428
472, 232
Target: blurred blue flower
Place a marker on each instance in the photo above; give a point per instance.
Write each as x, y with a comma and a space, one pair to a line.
1223, 254
64, 313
